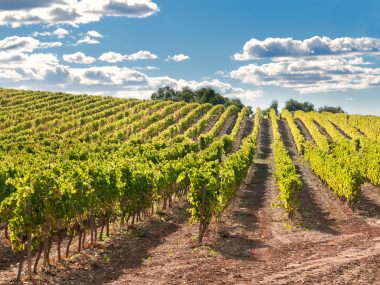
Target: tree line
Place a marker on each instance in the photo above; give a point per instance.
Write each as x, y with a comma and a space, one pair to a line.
201, 96
293, 105
209, 95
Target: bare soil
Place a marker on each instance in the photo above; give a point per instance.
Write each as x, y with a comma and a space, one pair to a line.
252, 244
228, 126
245, 129
211, 124
305, 132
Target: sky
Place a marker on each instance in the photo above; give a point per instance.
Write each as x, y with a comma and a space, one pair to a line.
324, 52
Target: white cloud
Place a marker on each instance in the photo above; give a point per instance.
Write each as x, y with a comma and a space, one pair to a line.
61, 33
142, 54
312, 75
178, 57
94, 34
26, 12
90, 38
78, 57
21, 44
41, 34
87, 40
113, 57
222, 73
108, 76
24, 44
18, 67
146, 68
315, 46
50, 44
152, 67
317, 64
348, 98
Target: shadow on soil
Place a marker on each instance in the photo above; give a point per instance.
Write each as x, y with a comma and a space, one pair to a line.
237, 247
366, 205
311, 215
252, 199
127, 250
253, 196
7, 256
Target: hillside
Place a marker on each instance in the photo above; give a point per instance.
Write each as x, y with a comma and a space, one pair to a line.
101, 190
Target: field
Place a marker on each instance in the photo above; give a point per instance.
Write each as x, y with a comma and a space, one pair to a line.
100, 190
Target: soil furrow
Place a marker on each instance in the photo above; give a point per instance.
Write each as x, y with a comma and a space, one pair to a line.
340, 130
245, 129
228, 126
303, 130
322, 130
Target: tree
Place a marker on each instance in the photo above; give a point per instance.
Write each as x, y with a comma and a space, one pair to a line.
209, 95
237, 102
273, 105
293, 105
331, 109
186, 95
165, 93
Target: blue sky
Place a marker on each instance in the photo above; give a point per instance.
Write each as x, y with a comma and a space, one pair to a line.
325, 52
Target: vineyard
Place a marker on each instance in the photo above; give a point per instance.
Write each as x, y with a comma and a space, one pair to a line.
102, 190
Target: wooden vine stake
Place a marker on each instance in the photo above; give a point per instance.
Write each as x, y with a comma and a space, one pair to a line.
202, 221
29, 242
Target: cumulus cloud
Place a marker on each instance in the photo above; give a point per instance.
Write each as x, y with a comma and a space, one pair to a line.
178, 57
87, 40
317, 64
94, 34
41, 34
50, 44
90, 38
25, 12
315, 46
24, 44
142, 54
21, 44
23, 67
78, 57
114, 57
61, 33
311, 75
23, 4
108, 75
